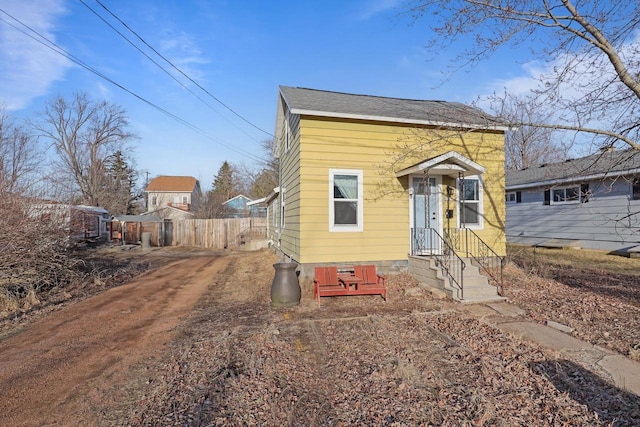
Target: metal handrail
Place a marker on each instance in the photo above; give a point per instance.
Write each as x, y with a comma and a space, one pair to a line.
249, 233
427, 241
475, 248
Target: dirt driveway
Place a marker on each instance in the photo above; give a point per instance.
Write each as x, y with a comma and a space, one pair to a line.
56, 371
196, 343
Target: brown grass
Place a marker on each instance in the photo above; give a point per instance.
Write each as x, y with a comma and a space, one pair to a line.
591, 259
596, 294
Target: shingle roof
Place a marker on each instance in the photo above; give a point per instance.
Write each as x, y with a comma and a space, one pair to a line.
607, 163
172, 183
338, 104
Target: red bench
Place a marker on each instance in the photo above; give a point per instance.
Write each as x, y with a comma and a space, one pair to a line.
341, 281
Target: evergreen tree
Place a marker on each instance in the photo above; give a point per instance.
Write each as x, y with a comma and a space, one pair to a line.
224, 187
121, 179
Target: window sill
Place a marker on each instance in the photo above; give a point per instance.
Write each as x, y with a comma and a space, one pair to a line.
345, 229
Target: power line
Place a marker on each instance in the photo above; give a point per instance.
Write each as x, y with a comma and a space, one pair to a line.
164, 69
180, 71
61, 51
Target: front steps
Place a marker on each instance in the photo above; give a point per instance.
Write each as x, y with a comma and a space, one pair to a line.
476, 286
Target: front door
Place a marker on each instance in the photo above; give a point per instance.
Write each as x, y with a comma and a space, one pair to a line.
426, 216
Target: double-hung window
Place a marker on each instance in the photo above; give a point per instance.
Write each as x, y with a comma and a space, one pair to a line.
345, 200
470, 202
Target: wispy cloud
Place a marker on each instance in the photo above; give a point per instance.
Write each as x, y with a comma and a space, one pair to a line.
184, 53
526, 81
371, 8
580, 73
27, 68
104, 90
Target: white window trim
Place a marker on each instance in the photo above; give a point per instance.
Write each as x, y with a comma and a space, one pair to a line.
359, 227
480, 224
282, 209
515, 198
287, 134
566, 202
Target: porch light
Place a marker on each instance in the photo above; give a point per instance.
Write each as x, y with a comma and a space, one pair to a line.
449, 190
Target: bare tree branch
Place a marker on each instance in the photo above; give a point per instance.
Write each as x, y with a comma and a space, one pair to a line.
84, 134
591, 50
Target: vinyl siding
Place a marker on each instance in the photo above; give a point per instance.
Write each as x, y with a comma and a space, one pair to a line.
368, 146
488, 150
357, 146
607, 221
289, 236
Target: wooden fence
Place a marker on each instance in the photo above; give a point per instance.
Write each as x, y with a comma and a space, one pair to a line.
217, 233
205, 233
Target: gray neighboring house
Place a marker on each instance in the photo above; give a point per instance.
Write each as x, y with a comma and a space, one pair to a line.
591, 202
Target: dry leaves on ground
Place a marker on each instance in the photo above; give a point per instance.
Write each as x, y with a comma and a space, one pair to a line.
359, 361
602, 307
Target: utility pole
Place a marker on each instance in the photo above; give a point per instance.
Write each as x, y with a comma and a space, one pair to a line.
146, 195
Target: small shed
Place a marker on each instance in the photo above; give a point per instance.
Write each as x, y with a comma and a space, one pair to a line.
87, 222
83, 223
128, 229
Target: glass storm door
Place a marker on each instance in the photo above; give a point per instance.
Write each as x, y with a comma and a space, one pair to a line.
426, 221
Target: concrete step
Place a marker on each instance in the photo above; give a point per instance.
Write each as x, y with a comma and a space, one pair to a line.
475, 281
476, 285
470, 296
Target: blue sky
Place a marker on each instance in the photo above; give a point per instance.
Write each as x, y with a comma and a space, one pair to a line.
239, 51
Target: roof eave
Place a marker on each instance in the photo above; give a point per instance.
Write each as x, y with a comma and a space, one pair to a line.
397, 120
256, 201
442, 165
551, 182
272, 195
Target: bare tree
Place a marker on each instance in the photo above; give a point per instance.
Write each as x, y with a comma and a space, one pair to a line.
263, 179
20, 156
527, 146
84, 134
590, 49
34, 236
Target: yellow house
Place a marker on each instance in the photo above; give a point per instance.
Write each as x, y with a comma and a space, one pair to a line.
367, 179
